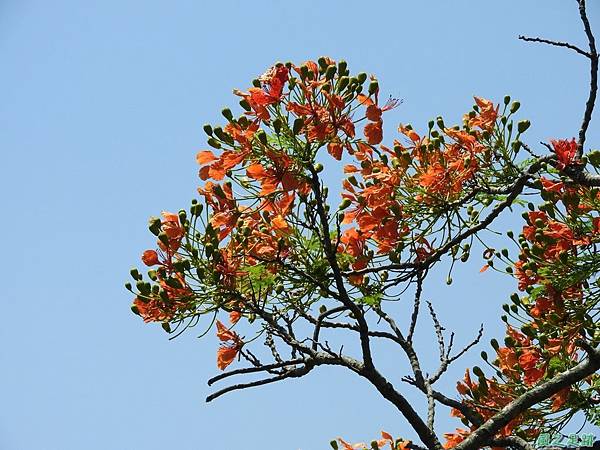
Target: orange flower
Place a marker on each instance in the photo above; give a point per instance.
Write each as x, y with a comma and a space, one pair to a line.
225, 356
560, 398
453, 439
227, 352
486, 118
565, 151
374, 132
150, 258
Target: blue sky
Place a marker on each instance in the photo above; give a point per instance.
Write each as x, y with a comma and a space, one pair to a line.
101, 116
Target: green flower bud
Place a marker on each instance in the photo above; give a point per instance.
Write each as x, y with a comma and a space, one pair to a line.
135, 310
478, 372
330, 72
227, 114
262, 136
154, 225
484, 355
298, 124
494, 344
344, 204
594, 158
440, 122
523, 125
515, 107
343, 83
318, 167
128, 286
214, 143
277, 125
245, 105
334, 445
510, 234
506, 99
166, 326
361, 77
208, 129
322, 61
135, 274
373, 87
256, 83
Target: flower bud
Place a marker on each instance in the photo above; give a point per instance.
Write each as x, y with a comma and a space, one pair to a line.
373, 87
342, 66
318, 167
322, 61
361, 77
277, 125
343, 83
506, 99
334, 445
523, 125
515, 107
214, 143
344, 204
135, 310
298, 124
594, 158
135, 274
227, 114
262, 136
208, 129
154, 225
245, 105
440, 122
128, 286
256, 83
166, 326
330, 72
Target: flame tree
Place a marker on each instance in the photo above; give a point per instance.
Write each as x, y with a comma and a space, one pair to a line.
266, 257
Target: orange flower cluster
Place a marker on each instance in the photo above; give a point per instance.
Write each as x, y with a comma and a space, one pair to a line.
386, 439
161, 305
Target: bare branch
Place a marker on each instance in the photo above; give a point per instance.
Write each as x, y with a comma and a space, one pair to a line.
556, 44
295, 373
247, 370
591, 101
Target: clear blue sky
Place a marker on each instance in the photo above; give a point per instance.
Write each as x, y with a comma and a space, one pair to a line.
101, 113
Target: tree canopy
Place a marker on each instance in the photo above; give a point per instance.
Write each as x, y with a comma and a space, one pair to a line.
267, 255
